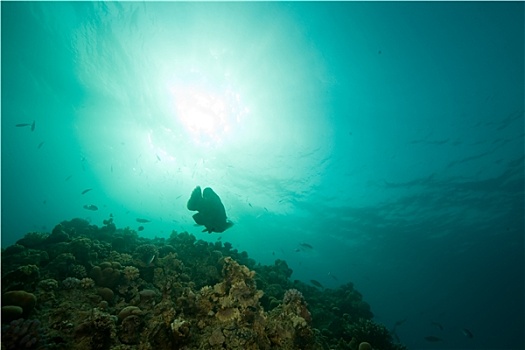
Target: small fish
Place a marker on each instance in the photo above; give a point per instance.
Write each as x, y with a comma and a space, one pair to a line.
158, 158
437, 324
306, 246
143, 221
316, 283
86, 191
91, 207
67, 178
22, 125
250, 204
400, 322
140, 228
265, 209
433, 339
334, 277
150, 261
467, 333
33, 126
40, 144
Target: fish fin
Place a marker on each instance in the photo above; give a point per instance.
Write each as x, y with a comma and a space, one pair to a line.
199, 218
194, 203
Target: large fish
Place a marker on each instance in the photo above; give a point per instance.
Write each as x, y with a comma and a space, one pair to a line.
211, 212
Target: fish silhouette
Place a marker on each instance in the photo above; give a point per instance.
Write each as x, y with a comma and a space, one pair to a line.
211, 213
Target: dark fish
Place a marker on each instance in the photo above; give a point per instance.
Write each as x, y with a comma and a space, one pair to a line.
158, 157
437, 324
140, 228
211, 212
86, 191
40, 144
67, 178
316, 283
33, 126
265, 209
143, 221
433, 339
467, 333
91, 207
22, 125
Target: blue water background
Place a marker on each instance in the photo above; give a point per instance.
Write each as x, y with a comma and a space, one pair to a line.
388, 136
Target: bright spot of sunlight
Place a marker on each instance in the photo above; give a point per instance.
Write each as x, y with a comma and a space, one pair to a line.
208, 111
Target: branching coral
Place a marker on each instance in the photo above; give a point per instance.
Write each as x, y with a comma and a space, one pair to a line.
131, 273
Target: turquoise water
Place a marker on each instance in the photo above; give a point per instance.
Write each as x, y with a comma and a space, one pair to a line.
388, 136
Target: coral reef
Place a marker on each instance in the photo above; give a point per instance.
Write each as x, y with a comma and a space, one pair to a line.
88, 287
22, 334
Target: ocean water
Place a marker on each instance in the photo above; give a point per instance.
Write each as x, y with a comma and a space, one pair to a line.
389, 137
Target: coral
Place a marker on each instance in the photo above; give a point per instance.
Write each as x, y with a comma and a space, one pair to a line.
57, 235
61, 265
175, 293
87, 283
147, 295
131, 273
216, 337
22, 334
128, 311
106, 293
102, 330
367, 331
106, 274
181, 330
129, 330
11, 313
293, 296
228, 314
25, 300
24, 277
32, 239
365, 346
48, 284
78, 271
81, 248
146, 254
71, 283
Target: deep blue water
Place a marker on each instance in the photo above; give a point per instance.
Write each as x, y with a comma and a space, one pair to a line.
388, 136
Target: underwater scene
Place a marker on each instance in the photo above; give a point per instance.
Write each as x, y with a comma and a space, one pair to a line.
262, 175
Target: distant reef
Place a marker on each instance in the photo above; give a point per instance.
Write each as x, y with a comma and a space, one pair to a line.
88, 287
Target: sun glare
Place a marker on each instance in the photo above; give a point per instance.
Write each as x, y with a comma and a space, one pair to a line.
208, 113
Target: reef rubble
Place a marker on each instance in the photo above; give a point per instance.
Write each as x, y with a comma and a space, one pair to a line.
88, 287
